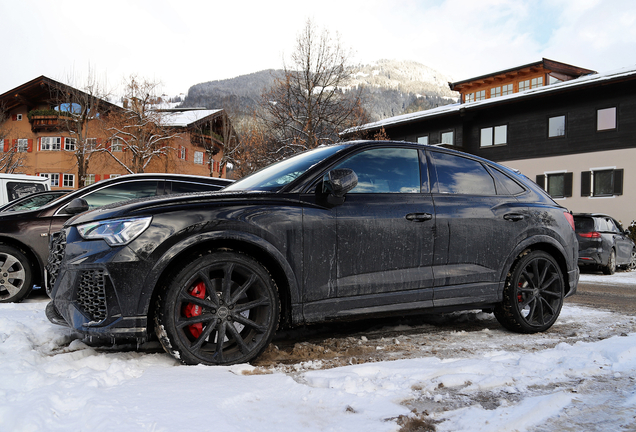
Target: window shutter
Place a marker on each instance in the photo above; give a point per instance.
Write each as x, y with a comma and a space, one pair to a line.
6, 145
618, 182
186, 154
567, 184
106, 176
97, 178
586, 183
541, 181
14, 117
30, 146
15, 145
99, 142
39, 143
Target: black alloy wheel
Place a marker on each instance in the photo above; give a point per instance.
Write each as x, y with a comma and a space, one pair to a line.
610, 268
221, 309
632, 261
533, 295
15, 275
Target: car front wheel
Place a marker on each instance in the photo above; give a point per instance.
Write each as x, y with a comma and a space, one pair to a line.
221, 309
632, 261
15, 275
533, 295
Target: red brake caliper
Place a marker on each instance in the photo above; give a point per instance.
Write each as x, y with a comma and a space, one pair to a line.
191, 309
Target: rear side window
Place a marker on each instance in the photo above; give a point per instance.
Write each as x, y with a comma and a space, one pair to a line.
460, 175
17, 190
121, 192
506, 185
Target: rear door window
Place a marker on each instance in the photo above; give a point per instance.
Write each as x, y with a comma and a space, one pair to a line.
460, 175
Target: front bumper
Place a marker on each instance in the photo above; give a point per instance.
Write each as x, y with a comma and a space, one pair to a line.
95, 291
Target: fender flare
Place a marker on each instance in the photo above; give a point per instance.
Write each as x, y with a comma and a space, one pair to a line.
177, 249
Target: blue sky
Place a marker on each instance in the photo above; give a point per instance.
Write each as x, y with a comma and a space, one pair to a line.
182, 43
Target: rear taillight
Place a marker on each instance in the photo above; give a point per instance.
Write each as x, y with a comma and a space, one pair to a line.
570, 218
592, 234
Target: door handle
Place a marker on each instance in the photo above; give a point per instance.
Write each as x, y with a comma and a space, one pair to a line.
513, 217
419, 217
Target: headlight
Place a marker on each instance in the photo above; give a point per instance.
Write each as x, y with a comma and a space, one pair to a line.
115, 232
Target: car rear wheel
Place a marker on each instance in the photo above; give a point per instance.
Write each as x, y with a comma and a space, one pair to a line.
221, 309
533, 295
610, 268
15, 275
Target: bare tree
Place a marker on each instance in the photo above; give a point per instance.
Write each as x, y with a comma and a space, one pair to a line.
11, 158
141, 125
311, 103
81, 112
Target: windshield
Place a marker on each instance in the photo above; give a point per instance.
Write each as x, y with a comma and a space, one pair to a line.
276, 176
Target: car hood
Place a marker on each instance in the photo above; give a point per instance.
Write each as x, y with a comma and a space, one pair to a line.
153, 205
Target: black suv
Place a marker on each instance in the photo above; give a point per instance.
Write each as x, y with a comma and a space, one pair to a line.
340, 232
603, 243
24, 235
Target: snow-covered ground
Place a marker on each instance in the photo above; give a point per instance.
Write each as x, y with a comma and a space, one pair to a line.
580, 375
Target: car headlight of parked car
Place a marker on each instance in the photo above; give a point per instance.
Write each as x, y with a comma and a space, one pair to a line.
115, 232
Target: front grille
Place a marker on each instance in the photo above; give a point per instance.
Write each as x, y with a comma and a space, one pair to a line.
91, 294
57, 248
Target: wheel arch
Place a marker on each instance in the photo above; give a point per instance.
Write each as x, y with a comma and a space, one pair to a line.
265, 253
37, 267
542, 243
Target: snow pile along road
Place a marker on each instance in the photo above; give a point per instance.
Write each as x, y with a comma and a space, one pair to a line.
577, 376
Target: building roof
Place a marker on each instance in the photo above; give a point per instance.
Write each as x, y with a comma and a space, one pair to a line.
627, 73
543, 64
36, 90
185, 117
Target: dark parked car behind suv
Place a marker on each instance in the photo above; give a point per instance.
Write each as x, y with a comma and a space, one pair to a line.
340, 232
24, 235
603, 243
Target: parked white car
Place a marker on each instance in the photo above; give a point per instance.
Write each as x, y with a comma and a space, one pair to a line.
14, 186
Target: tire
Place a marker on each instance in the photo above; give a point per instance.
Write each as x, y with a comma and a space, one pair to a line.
610, 268
632, 261
15, 275
533, 295
221, 309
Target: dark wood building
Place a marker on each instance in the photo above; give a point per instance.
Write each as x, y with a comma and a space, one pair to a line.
575, 137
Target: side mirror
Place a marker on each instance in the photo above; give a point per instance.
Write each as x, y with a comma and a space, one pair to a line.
78, 205
336, 183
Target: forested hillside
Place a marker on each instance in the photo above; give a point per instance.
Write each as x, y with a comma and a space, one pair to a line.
390, 88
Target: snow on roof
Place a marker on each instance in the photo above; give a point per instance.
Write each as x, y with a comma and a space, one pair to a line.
446, 109
185, 118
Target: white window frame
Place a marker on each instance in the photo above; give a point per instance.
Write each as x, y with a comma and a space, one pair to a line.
547, 175
536, 82
89, 179
198, 157
23, 145
70, 144
524, 85
18, 117
480, 95
50, 143
54, 178
507, 89
469, 97
115, 175
68, 180
91, 144
495, 92
182, 152
117, 145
